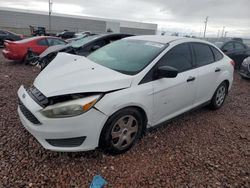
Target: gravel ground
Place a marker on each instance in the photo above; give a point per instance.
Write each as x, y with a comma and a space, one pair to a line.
200, 149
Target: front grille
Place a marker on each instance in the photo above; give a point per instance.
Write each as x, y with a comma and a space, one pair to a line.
28, 114
37, 96
67, 142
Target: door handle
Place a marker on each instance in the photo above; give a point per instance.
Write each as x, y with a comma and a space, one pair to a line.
191, 79
217, 70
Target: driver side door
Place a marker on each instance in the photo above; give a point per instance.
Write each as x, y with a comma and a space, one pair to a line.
173, 96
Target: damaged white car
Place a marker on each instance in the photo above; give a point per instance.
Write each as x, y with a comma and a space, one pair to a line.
110, 98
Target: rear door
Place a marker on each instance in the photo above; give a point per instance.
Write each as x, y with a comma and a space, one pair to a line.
173, 96
209, 66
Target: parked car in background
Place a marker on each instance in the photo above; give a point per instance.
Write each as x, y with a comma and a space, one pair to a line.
80, 35
245, 68
236, 50
66, 34
110, 98
7, 35
25, 49
237, 39
82, 47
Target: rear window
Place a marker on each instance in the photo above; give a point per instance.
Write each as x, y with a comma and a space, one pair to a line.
203, 54
217, 54
42, 42
238, 46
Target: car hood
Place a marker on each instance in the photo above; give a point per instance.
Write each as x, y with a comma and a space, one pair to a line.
55, 48
69, 74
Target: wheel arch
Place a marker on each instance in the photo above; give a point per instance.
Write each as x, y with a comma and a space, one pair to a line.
141, 111
228, 84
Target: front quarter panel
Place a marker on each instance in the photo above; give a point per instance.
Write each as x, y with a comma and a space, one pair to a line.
138, 96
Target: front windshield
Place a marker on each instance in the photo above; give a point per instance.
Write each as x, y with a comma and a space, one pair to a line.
83, 41
127, 56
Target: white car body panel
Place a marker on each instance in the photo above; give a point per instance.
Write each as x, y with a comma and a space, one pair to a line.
173, 95
161, 99
208, 77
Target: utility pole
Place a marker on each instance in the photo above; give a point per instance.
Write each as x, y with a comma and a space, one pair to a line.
222, 34
218, 35
226, 32
205, 30
50, 11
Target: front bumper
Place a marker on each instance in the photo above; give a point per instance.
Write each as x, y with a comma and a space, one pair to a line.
87, 127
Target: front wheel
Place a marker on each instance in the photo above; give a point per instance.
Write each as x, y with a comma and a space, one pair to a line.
219, 96
121, 131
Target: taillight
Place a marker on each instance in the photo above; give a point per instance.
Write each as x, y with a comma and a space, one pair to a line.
232, 63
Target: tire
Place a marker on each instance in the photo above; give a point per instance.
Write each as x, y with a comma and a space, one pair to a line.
121, 131
219, 96
31, 58
26, 59
244, 78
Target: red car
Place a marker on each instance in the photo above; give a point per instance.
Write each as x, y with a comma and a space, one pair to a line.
18, 50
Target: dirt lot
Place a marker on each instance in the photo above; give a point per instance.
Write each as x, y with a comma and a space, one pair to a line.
201, 149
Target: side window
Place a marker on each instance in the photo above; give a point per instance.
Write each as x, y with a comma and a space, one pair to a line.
217, 54
42, 42
203, 54
238, 46
53, 42
178, 57
228, 47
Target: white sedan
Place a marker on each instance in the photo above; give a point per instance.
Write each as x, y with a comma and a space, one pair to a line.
110, 98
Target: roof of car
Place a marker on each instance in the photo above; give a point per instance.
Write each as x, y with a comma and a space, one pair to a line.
156, 38
163, 39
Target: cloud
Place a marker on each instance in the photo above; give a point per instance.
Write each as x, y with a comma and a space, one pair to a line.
186, 16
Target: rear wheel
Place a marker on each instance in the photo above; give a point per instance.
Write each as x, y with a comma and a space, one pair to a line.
121, 131
31, 58
219, 96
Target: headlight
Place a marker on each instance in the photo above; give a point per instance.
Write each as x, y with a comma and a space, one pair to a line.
70, 108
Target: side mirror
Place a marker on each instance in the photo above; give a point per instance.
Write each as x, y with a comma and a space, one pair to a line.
166, 72
96, 47
224, 50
